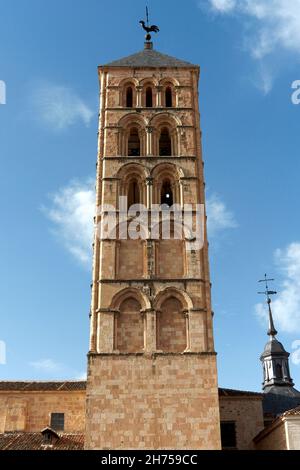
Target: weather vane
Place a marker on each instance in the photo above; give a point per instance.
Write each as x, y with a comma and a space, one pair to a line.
272, 331
147, 28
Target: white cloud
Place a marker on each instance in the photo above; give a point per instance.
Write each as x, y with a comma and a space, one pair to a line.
269, 26
46, 365
223, 5
219, 217
295, 356
59, 107
72, 212
286, 306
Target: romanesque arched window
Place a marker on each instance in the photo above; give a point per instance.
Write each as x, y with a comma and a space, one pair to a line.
149, 97
168, 97
133, 196
134, 145
165, 143
166, 194
129, 97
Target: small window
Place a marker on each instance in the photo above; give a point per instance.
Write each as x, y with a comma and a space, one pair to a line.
166, 194
165, 144
149, 98
134, 145
228, 435
57, 421
279, 374
129, 97
133, 193
169, 100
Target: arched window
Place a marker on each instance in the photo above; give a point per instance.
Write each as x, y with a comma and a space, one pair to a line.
279, 374
129, 97
168, 97
134, 145
165, 144
149, 97
166, 194
133, 193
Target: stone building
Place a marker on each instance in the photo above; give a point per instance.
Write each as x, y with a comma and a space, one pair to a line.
152, 377
151, 320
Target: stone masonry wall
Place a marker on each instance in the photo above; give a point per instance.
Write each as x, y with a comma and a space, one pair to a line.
248, 415
157, 402
30, 411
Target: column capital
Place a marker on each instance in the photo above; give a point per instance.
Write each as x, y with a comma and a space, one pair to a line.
149, 181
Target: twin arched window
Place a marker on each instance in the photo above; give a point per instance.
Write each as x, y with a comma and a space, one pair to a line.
163, 141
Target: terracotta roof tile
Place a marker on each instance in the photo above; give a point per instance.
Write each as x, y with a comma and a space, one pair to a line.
292, 412
42, 386
35, 441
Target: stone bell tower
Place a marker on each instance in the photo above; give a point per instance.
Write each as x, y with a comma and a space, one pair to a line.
152, 378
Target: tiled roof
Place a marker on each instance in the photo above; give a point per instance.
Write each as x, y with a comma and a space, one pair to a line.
149, 58
42, 386
81, 385
293, 412
35, 441
227, 392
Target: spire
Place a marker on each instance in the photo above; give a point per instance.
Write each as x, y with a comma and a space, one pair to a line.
272, 330
275, 359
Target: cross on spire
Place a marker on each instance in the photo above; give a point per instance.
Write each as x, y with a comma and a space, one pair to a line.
272, 330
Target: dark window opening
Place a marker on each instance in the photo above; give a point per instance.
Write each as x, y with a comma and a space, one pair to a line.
165, 144
169, 103
129, 97
133, 193
134, 146
57, 421
149, 98
166, 194
228, 435
279, 374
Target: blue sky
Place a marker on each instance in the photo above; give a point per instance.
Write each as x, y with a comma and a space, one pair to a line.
249, 55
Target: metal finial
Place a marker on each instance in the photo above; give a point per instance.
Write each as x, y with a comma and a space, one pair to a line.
272, 330
147, 28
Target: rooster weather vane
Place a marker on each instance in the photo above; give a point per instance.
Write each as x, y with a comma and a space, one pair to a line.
147, 28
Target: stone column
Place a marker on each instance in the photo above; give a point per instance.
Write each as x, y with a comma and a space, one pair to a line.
181, 191
149, 184
149, 131
139, 90
159, 96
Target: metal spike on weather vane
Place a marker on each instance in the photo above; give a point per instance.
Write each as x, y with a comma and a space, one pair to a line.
272, 330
